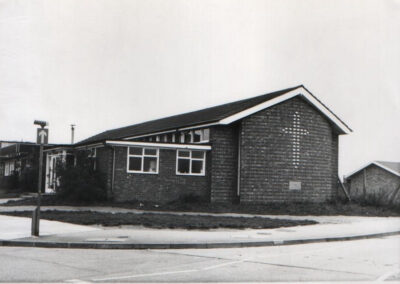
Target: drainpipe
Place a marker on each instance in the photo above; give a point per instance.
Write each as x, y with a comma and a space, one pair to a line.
113, 170
239, 158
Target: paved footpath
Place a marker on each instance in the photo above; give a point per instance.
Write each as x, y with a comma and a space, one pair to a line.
16, 231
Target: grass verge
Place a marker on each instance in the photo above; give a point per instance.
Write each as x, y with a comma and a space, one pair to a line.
162, 220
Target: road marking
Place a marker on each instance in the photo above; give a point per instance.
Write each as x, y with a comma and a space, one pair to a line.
169, 272
144, 275
76, 281
254, 260
387, 275
221, 265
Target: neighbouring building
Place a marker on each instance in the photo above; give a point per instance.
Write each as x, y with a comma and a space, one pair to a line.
18, 165
277, 147
378, 180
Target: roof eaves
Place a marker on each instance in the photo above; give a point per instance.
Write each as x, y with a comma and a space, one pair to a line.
338, 118
387, 168
286, 96
227, 118
376, 163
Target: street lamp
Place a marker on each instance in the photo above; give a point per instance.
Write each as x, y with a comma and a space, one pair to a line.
42, 138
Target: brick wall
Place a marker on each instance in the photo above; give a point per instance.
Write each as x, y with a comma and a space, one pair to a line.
162, 187
104, 160
224, 155
379, 183
335, 166
267, 151
266, 162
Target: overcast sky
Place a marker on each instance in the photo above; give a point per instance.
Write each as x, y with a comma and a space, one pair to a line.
106, 64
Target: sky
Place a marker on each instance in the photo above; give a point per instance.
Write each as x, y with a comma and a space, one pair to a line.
102, 64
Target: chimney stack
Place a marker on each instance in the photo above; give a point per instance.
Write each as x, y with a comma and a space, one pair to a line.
72, 133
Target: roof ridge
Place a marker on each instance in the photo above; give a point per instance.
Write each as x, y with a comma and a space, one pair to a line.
215, 106
199, 121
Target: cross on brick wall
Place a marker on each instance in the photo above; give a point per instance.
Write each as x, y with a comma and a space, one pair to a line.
296, 132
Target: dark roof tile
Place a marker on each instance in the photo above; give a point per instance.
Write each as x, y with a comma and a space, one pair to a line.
208, 115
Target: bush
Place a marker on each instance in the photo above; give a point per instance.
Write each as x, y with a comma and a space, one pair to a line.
13, 181
376, 199
80, 182
28, 181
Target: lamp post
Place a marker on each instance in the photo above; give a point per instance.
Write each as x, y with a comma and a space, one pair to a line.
42, 138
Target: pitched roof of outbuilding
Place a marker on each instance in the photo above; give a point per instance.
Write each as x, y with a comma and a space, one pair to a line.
391, 167
194, 118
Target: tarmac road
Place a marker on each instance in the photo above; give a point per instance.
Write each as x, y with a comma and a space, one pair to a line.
370, 259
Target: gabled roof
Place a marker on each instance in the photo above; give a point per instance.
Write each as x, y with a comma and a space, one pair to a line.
391, 167
218, 115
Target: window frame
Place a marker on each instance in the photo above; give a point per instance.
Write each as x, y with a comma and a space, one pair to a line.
9, 168
190, 158
93, 157
191, 133
6, 169
202, 135
157, 156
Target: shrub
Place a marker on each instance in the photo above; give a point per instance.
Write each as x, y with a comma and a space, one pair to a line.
376, 199
13, 181
28, 181
80, 182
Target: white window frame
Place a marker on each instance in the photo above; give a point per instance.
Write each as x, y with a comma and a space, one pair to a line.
93, 155
9, 168
143, 156
202, 131
6, 169
190, 163
191, 133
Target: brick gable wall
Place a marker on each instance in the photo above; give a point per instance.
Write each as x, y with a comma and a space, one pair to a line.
266, 155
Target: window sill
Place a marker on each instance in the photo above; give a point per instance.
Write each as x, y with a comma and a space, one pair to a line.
196, 175
138, 172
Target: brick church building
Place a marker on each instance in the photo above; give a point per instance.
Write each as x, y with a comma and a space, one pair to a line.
282, 146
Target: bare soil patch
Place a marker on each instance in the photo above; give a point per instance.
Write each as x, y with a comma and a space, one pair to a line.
163, 220
289, 208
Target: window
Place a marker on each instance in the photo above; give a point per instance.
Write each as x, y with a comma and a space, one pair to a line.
195, 136
142, 160
190, 162
8, 168
92, 156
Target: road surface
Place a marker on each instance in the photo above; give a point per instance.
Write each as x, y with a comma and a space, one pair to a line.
371, 259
